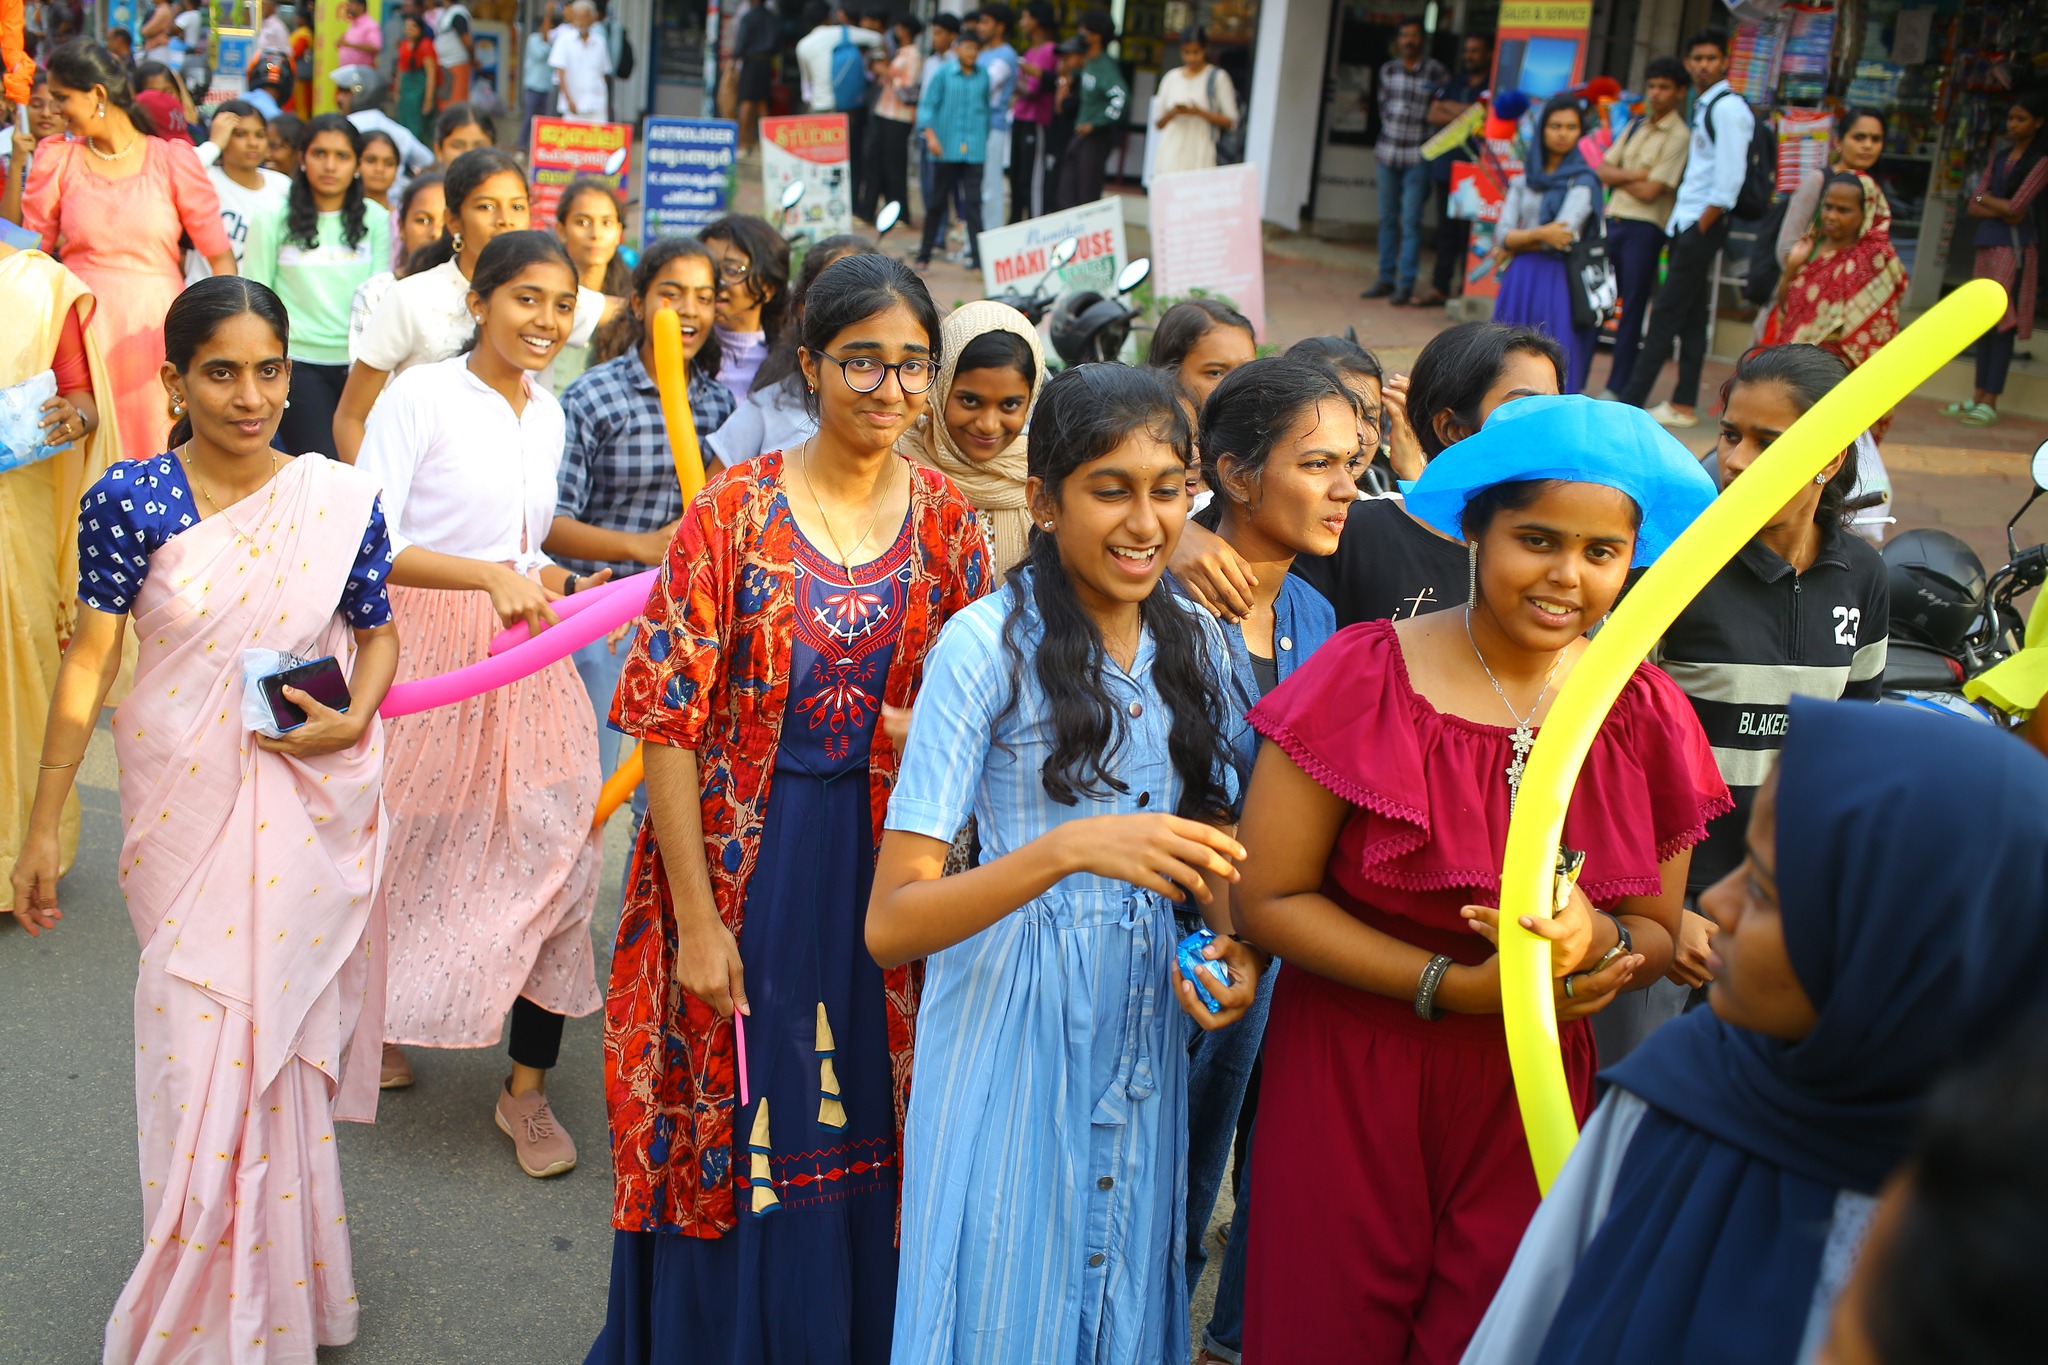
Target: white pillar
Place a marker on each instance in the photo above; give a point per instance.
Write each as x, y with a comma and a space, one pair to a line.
1286, 99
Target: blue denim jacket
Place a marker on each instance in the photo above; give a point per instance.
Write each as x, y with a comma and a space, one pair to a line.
1302, 620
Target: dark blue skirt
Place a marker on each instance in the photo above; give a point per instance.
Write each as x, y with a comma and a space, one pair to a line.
812, 1281
1536, 292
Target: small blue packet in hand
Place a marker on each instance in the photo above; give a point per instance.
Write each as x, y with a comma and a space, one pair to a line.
1194, 967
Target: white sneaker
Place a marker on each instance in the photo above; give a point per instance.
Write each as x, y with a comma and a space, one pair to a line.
1666, 415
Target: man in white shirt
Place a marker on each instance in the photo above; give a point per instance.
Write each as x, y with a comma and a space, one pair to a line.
275, 35
582, 61
1721, 127
814, 58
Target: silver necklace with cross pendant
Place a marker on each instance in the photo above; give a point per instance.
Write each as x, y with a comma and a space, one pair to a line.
1524, 738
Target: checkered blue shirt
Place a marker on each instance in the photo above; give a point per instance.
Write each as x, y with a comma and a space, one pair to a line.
617, 472
1404, 109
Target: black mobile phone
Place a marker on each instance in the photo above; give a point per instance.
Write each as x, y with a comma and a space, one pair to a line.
321, 680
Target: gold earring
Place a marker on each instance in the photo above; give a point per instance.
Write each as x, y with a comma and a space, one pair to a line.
458, 241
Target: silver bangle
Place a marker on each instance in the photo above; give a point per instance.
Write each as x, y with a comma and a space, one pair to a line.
1425, 987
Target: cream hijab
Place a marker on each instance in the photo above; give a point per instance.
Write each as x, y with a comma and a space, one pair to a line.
995, 486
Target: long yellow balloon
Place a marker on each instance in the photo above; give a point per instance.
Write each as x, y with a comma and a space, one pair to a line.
672, 380
1677, 577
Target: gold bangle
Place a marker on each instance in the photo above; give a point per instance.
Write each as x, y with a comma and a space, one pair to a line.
56, 767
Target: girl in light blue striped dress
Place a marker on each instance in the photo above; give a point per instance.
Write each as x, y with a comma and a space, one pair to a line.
1077, 716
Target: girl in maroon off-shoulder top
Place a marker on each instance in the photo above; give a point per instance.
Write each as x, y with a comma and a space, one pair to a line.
1393, 1174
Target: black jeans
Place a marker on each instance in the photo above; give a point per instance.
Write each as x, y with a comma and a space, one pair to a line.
1083, 167
1682, 313
308, 422
1027, 170
536, 1035
957, 183
1634, 246
1994, 358
1453, 238
888, 165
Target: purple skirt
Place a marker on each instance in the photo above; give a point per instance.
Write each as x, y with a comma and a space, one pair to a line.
1536, 292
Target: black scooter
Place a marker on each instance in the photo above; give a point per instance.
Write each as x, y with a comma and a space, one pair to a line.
1949, 621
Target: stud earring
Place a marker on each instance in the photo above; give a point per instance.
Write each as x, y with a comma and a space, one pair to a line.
1472, 575
1821, 477
177, 407
101, 110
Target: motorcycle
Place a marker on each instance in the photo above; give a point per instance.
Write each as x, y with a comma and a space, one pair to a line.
1034, 304
1089, 327
1949, 620
792, 227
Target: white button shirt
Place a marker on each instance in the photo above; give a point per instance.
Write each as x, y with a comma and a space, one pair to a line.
461, 473
1714, 170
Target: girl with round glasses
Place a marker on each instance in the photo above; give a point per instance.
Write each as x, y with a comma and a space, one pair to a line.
753, 295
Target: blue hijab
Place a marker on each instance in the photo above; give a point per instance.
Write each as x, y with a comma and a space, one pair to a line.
1913, 877
1572, 170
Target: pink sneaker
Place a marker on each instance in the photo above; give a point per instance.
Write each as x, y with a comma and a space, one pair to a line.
538, 1141
396, 1073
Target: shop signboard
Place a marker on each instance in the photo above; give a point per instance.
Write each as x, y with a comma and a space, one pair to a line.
1017, 256
812, 148
233, 50
1206, 237
564, 150
1541, 48
689, 176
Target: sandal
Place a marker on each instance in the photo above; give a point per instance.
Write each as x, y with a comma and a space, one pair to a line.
1981, 415
1958, 408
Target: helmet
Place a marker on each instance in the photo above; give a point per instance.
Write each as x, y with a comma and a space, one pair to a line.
366, 85
274, 71
1937, 586
1089, 326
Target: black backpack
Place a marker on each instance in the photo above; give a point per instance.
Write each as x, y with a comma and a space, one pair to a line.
625, 68
1760, 167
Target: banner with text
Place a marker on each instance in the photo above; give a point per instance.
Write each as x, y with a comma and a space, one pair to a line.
1016, 257
564, 151
689, 176
812, 148
1205, 235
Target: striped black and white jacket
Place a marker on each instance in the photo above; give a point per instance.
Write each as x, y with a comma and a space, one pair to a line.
1760, 635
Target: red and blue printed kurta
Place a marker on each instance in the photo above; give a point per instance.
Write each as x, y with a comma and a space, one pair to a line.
710, 672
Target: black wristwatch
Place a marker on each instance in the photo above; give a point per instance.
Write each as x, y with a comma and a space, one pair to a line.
569, 584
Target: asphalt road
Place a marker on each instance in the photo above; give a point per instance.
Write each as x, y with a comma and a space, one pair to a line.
460, 1257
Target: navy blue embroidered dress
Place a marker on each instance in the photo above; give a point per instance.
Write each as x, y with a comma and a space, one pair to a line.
809, 1275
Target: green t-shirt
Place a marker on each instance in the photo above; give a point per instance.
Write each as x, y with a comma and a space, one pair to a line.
316, 284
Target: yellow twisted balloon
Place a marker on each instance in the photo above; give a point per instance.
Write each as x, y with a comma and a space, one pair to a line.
1828, 428
671, 379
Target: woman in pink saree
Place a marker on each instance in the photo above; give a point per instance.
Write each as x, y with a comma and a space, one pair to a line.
250, 863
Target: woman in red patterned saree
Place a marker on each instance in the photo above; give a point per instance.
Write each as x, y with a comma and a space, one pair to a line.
1843, 283
756, 1215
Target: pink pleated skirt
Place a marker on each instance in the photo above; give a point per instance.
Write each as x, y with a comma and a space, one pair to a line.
492, 872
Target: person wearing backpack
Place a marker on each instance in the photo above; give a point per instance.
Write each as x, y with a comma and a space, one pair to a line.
833, 65
1720, 182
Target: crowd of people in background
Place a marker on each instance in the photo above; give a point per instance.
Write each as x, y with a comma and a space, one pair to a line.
1663, 196
1046, 674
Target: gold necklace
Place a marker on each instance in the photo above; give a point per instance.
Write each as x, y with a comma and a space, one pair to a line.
845, 557
192, 469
